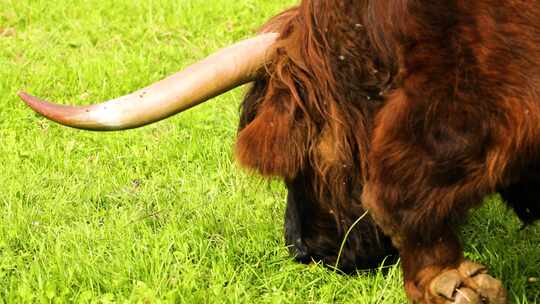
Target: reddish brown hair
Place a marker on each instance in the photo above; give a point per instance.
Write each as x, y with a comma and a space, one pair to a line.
315, 103
428, 105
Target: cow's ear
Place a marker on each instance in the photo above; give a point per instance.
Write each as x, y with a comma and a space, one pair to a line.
274, 142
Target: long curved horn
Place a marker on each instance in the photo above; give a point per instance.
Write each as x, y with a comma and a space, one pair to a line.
218, 73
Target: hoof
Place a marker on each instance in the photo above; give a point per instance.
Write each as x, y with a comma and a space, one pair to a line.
468, 284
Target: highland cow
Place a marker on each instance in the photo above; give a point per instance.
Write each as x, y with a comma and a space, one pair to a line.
412, 110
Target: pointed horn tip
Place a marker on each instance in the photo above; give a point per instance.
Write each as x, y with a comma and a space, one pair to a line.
28, 99
39, 106
23, 95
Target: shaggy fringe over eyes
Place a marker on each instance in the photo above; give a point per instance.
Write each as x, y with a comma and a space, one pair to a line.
272, 141
313, 106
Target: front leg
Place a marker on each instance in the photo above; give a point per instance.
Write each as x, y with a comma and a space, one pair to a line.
436, 272
424, 177
433, 266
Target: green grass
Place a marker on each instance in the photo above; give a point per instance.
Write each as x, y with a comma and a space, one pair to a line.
162, 213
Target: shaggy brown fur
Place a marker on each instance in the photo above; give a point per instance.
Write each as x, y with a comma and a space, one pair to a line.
300, 121
424, 107
296, 125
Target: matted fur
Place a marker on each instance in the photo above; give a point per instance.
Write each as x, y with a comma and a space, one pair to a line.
308, 89
424, 107
301, 121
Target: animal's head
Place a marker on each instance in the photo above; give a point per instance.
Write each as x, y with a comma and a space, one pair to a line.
305, 119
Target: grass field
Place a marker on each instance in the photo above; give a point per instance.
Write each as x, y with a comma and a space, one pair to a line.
163, 213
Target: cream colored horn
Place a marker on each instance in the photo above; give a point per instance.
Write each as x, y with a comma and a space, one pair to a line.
218, 73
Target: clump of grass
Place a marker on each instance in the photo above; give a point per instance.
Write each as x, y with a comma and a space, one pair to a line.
162, 214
